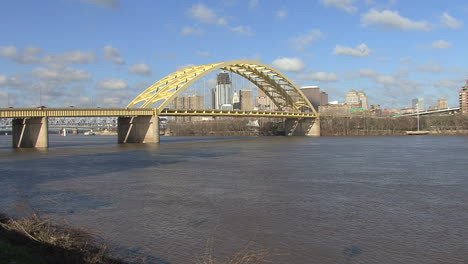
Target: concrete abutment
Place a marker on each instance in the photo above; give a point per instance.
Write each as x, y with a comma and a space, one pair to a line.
302, 127
138, 129
30, 132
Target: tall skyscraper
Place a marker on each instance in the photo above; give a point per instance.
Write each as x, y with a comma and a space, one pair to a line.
222, 94
418, 104
360, 98
246, 100
464, 99
442, 104
236, 101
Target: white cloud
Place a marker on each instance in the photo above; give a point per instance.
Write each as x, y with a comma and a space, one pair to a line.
206, 15
360, 51
431, 67
8, 80
8, 51
75, 57
185, 66
406, 60
386, 80
104, 3
367, 73
301, 42
388, 19
243, 30
319, 77
60, 74
113, 84
141, 69
346, 5
113, 54
450, 22
441, 44
253, 4
186, 31
203, 53
289, 64
27, 55
282, 13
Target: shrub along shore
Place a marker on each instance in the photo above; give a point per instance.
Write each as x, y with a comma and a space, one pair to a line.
36, 240
330, 126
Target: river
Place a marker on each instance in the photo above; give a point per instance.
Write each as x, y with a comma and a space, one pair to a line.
306, 200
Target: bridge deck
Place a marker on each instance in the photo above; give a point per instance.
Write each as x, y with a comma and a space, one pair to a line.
120, 112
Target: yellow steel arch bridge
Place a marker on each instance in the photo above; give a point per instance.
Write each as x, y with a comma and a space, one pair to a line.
286, 96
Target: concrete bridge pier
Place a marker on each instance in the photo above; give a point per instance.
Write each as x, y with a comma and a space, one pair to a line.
30, 132
138, 129
302, 127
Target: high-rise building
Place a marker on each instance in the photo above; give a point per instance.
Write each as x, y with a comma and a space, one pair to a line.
359, 98
191, 102
323, 98
418, 104
464, 99
313, 94
246, 100
442, 104
222, 94
264, 102
236, 101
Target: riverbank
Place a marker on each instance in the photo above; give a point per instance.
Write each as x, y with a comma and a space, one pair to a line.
36, 240
330, 126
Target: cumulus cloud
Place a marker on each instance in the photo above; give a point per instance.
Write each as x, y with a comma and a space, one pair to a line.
104, 3
319, 76
112, 84
282, 13
203, 53
253, 4
441, 44
113, 54
206, 15
187, 30
360, 51
243, 30
289, 64
386, 80
346, 5
185, 66
9, 81
302, 41
388, 19
367, 73
70, 57
60, 74
450, 22
431, 67
8, 51
406, 60
27, 55
141, 69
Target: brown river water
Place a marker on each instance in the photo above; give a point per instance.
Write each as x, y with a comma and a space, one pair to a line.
307, 200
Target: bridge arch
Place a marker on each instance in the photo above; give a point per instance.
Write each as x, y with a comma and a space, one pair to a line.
277, 86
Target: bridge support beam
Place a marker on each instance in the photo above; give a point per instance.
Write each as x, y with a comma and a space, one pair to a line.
302, 127
30, 132
138, 129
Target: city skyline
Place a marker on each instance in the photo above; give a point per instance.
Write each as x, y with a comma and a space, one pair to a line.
105, 52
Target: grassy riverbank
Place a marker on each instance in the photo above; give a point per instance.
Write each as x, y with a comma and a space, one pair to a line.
35, 240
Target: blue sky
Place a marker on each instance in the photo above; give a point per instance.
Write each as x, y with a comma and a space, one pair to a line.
104, 52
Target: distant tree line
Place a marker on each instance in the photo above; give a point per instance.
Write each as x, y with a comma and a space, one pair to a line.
381, 126
330, 126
